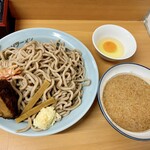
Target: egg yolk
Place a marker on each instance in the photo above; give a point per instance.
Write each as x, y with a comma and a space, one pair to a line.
109, 46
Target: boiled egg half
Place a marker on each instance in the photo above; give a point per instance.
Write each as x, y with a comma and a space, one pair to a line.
111, 47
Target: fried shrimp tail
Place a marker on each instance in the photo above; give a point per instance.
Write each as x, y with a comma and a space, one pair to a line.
7, 73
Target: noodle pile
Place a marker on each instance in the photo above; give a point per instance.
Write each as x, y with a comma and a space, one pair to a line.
52, 61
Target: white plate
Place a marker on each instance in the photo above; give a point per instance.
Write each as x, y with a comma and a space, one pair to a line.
132, 68
45, 35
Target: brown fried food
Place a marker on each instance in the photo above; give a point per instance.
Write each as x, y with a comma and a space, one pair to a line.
8, 100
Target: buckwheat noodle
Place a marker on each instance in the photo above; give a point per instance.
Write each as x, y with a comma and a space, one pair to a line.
52, 61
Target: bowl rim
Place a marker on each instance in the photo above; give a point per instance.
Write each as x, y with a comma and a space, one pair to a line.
116, 26
103, 111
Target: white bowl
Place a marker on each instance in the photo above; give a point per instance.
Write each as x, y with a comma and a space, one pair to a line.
134, 69
120, 34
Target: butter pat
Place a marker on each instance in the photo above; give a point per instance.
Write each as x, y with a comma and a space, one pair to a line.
45, 118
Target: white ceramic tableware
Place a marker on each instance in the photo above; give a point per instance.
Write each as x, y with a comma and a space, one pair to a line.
118, 33
19, 38
132, 68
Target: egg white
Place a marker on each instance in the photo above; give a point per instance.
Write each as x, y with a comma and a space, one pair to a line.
119, 47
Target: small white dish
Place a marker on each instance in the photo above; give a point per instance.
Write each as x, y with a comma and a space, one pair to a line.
117, 33
132, 68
